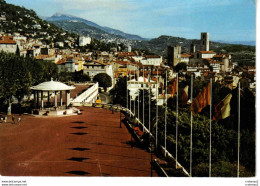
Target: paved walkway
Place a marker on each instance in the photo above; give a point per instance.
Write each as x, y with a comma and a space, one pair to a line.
91, 144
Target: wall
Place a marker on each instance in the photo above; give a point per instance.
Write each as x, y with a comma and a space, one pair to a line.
89, 96
11, 48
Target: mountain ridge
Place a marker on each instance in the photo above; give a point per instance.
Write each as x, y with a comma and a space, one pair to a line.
66, 17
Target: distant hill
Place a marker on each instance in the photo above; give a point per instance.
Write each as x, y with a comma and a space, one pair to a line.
159, 45
250, 43
82, 28
27, 22
240, 53
65, 17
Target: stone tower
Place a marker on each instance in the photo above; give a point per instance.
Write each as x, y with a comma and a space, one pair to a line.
204, 41
174, 55
192, 48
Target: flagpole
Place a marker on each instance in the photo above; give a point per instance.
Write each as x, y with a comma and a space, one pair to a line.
165, 127
138, 94
238, 137
143, 99
191, 118
134, 95
177, 100
156, 109
127, 86
149, 80
210, 127
130, 95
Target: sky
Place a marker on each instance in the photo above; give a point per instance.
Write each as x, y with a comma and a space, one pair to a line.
226, 20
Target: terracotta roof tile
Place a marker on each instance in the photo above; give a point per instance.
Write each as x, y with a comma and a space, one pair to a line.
61, 61
7, 40
207, 52
152, 56
185, 55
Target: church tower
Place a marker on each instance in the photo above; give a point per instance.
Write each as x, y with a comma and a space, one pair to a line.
204, 41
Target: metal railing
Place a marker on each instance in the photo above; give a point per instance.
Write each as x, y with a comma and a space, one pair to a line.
165, 151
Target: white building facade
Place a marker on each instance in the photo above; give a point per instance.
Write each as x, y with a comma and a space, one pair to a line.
83, 40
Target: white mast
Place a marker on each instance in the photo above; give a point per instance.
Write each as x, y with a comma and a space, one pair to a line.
138, 93
238, 132
156, 132
130, 95
177, 100
210, 127
143, 99
165, 127
127, 86
134, 86
149, 82
191, 118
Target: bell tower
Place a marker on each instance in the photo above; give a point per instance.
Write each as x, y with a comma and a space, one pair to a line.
204, 41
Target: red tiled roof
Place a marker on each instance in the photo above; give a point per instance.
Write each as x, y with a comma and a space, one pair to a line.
7, 40
43, 56
126, 54
61, 61
219, 55
121, 62
207, 52
99, 62
152, 56
185, 55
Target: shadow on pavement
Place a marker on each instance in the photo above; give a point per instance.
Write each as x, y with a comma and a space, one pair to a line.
79, 159
79, 149
79, 133
79, 173
78, 127
77, 122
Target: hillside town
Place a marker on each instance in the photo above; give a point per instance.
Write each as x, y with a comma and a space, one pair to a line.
100, 106
203, 62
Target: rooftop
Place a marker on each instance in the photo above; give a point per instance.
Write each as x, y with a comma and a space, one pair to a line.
52, 86
207, 52
7, 40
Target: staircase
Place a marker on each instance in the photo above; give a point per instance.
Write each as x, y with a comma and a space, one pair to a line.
87, 97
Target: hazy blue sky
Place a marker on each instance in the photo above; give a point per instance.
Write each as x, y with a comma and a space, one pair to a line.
228, 20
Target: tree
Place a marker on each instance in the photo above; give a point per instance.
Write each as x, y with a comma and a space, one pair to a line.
180, 66
19, 74
79, 76
118, 93
104, 80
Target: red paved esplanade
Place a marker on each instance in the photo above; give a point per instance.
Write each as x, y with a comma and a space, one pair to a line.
91, 144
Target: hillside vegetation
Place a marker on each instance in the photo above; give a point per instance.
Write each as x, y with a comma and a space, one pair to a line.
24, 21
